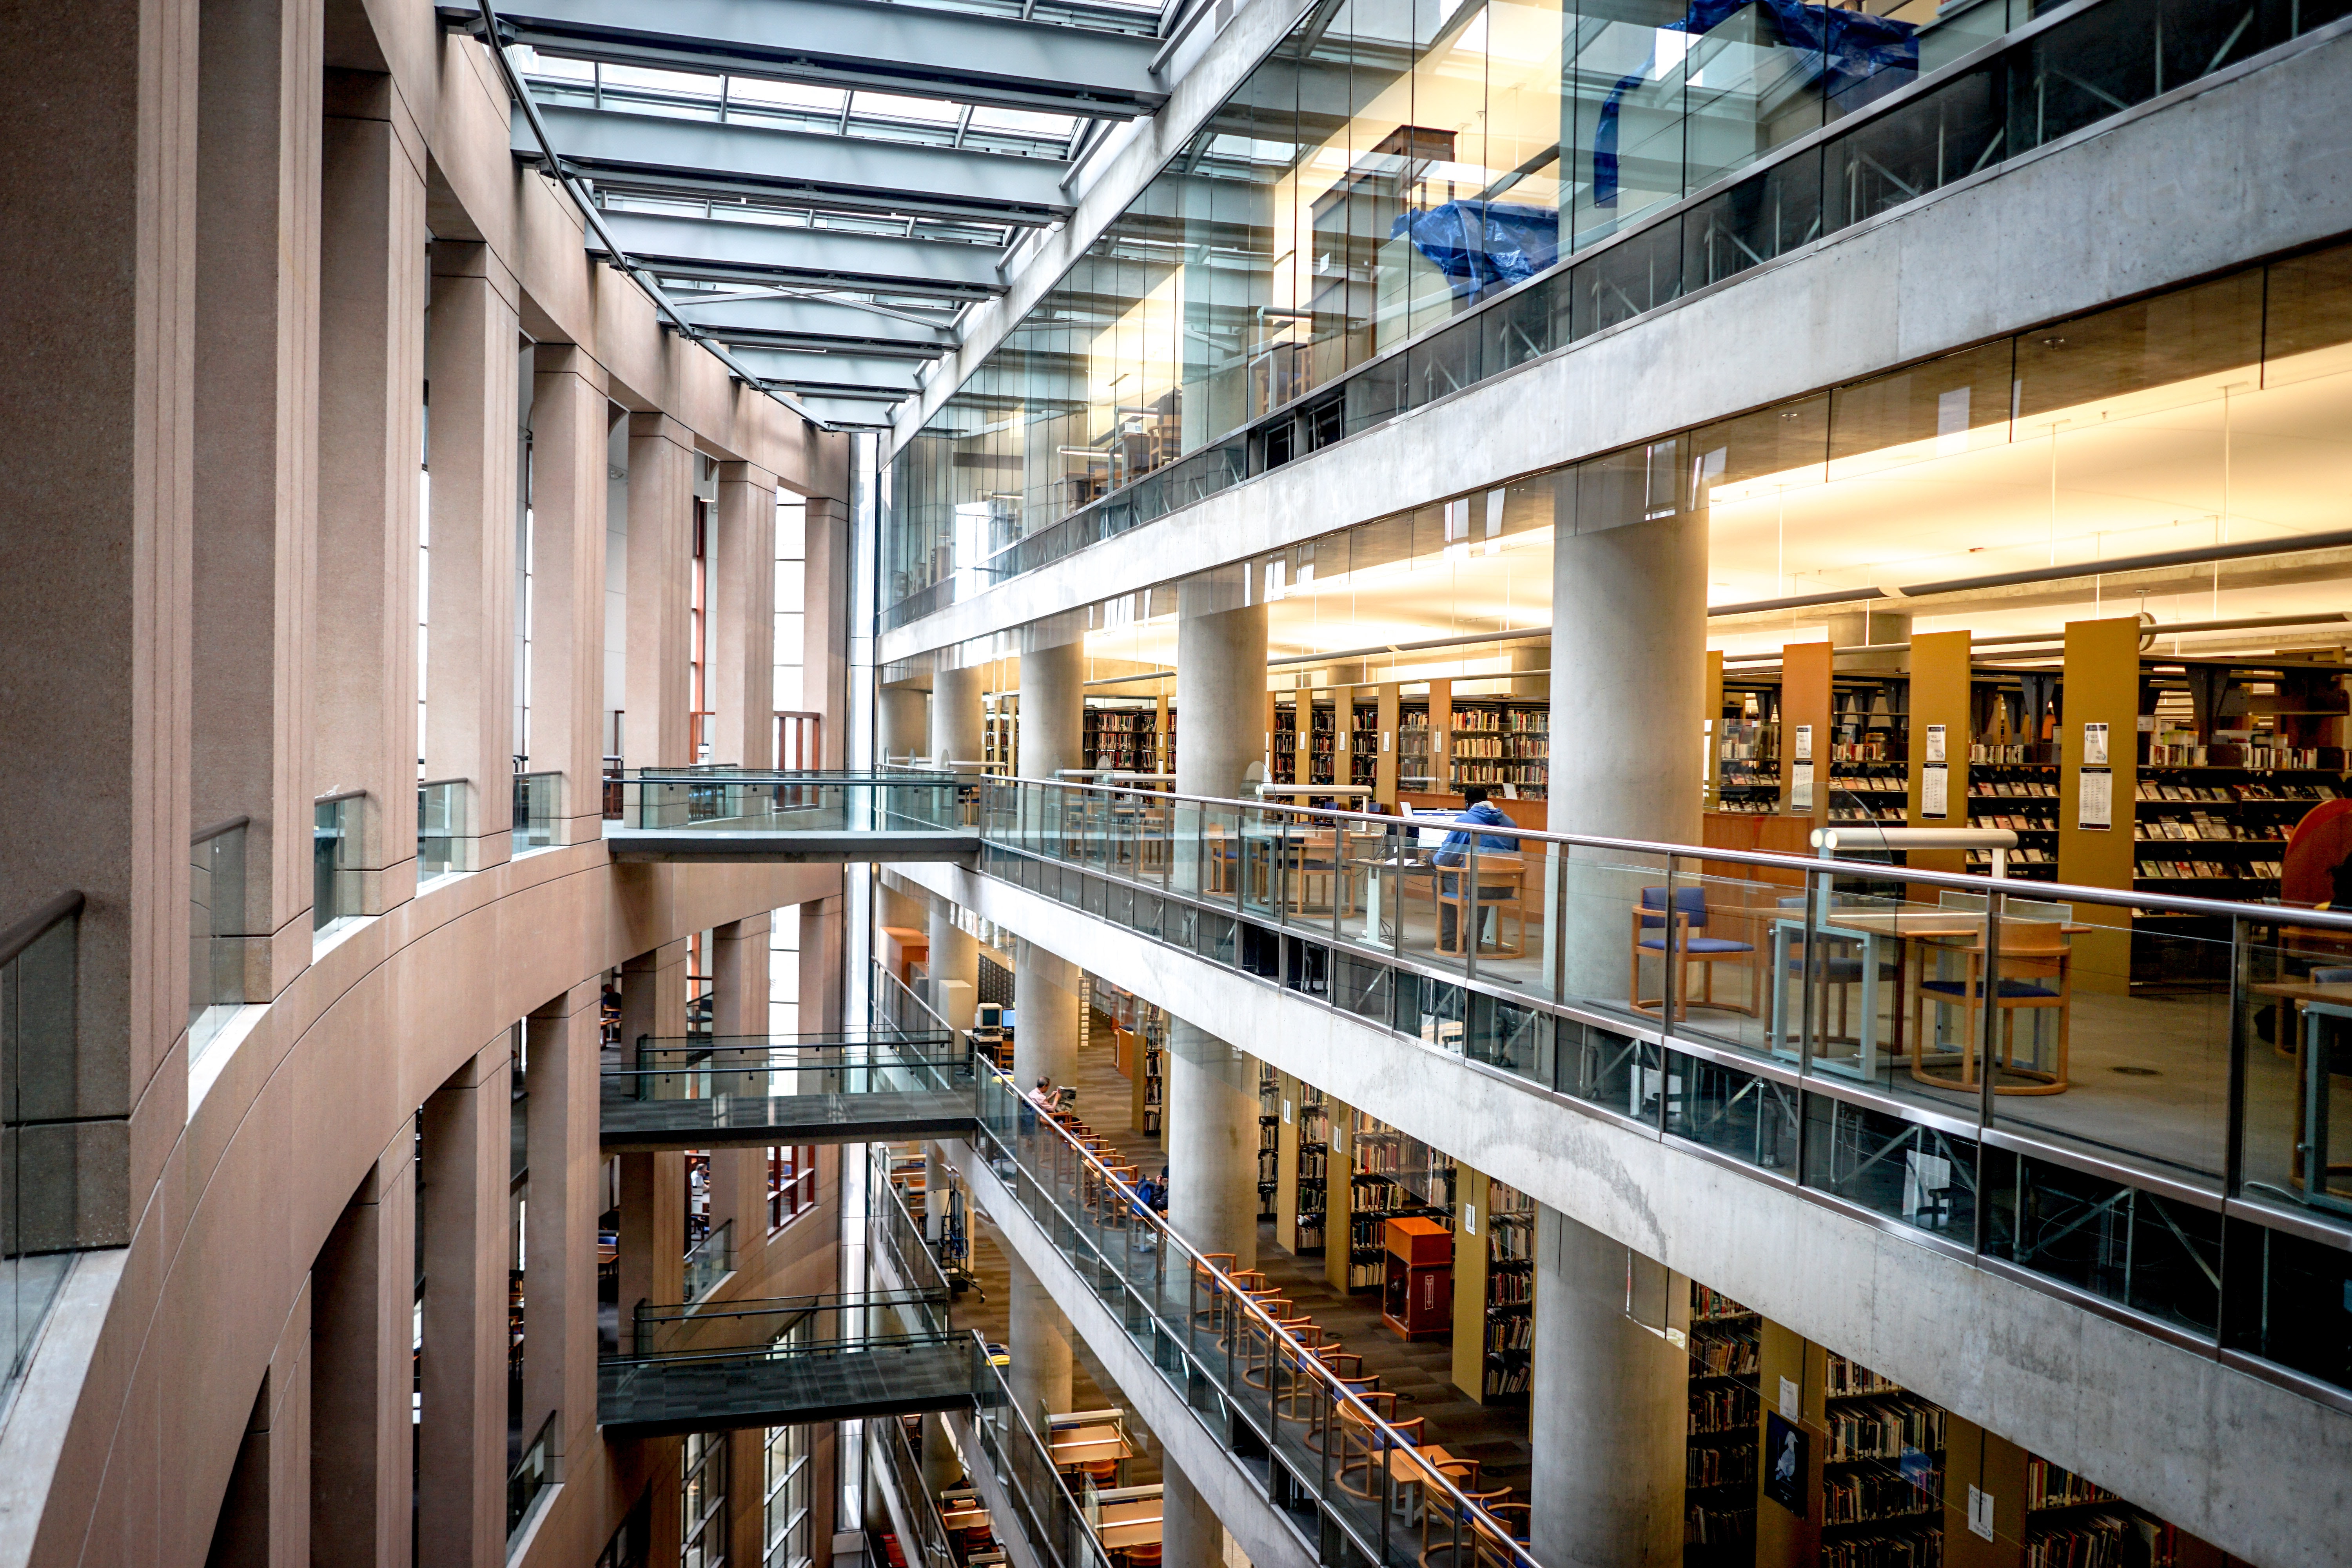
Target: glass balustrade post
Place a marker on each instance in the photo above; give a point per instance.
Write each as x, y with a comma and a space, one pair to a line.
1470, 925
1671, 1002
1996, 914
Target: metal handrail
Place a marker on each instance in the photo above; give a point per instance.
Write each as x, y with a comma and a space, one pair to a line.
16, 938
1303, 1359
2318, 919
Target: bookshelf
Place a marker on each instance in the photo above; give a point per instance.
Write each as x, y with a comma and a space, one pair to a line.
1502, 744
1001, 735
1269, 1140
1719, 1477
1416, 769
1510, 1296
1390, 1176
1364, 743
1122, 733
1314, 1164
1282, 760
1882, 1470
2020, 795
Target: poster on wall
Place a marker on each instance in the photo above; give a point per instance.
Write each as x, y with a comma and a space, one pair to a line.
1801, 787
2094, 745
1804, 753
1935, 785
1935, 743
2096, 809
1784, 1462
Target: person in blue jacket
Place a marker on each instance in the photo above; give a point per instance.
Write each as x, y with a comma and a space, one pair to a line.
1481, 814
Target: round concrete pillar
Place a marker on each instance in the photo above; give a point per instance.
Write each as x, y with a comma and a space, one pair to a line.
1213, 1108
1040, 1347
1052, 710
1190, 1534
1220, 688
941, 1467
954, 965
1044, 1018
957, 724
1608, 1406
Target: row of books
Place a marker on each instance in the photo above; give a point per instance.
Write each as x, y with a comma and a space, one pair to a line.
1842, 1378
1721, 1410
2208, 870
1720, 1466
1485, 747
1727, 1356
1910, 1549
1718, 1527
1884, 1429
1879, 1497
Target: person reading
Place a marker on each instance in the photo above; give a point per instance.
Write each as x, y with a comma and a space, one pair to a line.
1479, 817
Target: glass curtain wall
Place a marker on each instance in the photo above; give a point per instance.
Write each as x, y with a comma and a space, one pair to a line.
1392, 164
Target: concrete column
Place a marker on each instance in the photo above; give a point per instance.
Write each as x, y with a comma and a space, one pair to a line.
743, 601
935, 1193
265, 1514
825, 625
1052, 710
1212, 1143
469, 675
1868, 627
462, 1184
559, 1366
739, 1007
901, 723
1629, 624
954, 958
256, 433
1046, 1011
1191, 1535
1609, 1403
569, 417
653, 1186
1040, 1347
653, 997
655, 726
371, 389
958, 721
1219, 687
362, 1291
99, 315
941, 1468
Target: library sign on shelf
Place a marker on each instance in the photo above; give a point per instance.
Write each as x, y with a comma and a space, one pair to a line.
1935, 778
1800, 770
2095, 807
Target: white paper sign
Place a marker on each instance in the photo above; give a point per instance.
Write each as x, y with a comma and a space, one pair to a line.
2097, 808
1804, 750
2094, 745
1286, 1110
1934, 782
1801, 787
1936, 746
1791, 1401
1469, 1219
1980, 1514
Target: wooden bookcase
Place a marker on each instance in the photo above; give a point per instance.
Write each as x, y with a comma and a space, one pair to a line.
1719, 1479
1269, 1140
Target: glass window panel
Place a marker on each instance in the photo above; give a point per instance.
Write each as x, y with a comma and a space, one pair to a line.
1752, 1119
1947, 405
2207, 330
1625, 281
2308, 320
1627, 77
1921, 1175
1753, 222
2291, 1301
2155, 1254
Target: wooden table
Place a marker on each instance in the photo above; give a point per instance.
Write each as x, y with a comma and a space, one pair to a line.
1087, 1444
1130, 1522
1398, 867
2306, 1001
1416, 1468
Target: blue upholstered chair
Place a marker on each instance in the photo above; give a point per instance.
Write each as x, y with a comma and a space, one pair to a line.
1688, 914
2035, 973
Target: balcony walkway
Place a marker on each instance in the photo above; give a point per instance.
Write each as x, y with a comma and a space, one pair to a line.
751, 1092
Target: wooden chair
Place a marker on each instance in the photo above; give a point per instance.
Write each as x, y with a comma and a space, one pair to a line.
1310, 1403
1208, 1297
1449, 1532
1364, 1448
1320, 856
2035, 973
1688, 918
1502, 886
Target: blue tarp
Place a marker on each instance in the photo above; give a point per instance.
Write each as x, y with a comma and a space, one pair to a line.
1482, 245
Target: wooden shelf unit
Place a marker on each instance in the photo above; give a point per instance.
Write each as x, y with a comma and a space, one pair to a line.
1505, 1363
1719, 1477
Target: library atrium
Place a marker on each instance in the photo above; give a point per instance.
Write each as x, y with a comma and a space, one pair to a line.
1197, 784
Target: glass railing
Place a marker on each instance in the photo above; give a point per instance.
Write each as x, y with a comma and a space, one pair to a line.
539, 1468
443, 843
215, 928
334, 844
1971, 96
2140, 1119
721, 1067
891, 1457
710, 1260
741, 800
537, 803
40, 1122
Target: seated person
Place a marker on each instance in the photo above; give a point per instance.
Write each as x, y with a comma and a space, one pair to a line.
1481, 815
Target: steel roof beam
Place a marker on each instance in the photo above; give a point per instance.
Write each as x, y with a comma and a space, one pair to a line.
717, 249
789, 323
833, 375
708, 158
996, 62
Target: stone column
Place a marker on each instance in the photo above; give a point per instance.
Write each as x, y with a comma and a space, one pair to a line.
1212, 1144
1045, 1015
362, 1291
264, 1513
901, 723
559, 1364
825, 623
462, 1185
469, 628
942, 1469
958, 721
1190, 1534
256, 494
1220, 685
739, 1007
1629, 620
954, 956
653, 1186
1608, 1405
655, 726
1052, 710
1040, 1347
743, 601
823, 930
370, 390
569, 418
